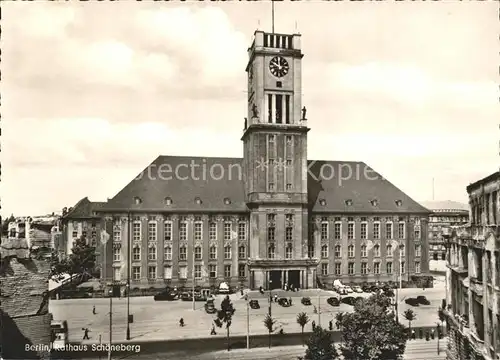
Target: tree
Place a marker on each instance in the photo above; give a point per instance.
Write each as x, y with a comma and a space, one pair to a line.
5, 224
320, 346
269, 324
225, 316
81, 261
371, 331
409, 315
302, 320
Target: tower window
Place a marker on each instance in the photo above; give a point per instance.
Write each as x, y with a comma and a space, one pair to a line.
269, 108
279, 109
271, 41
290, 42
287, 109
279, 84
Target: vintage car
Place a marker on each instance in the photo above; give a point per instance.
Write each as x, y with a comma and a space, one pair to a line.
210, 307
165, 295
333, 301
306, 300
422, 300
254, 304
284, 302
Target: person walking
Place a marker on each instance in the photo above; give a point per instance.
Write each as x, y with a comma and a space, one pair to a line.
181, 322
313, 324
93, 310
86, 333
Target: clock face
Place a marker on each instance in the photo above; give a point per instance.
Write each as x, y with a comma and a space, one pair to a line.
278, 66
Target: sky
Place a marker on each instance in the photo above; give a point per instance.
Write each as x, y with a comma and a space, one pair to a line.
93, 92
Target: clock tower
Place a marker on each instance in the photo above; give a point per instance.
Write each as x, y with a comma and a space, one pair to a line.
275, 164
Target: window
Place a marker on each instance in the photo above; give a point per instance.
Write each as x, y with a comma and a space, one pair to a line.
417, 250
364, 252
350, 251
364, 268
350, 230
227, 252
338, 252
241, 270
84, 233
197, 271
288, 251
401, 250
417, 267
74, 234
388, 250
350, 268
270, 252
324, 269
271, 138
376, 251
197, 253
324, 231
136, 231
338, 267
117, 234
168, 201
388, 266
288, 139
289, 233
401, 230
417, 232
271, 186
213, 252
136, 253
289, 163
388, 230
212, 271
376, 268
183, 272
310, 251
151, 272
167, 272
116, 254
168, 231
183, 231
152, 253
136, 273
227, 201
288, 187
227, 271
270, 233
337, 230
324, 251
152, 231
197, 231
182, 253
167, 254
242, 231
376, 231
363, 233
403, 266
227, 231
212, 231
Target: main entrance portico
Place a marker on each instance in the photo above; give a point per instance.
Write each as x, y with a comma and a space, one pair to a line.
275, 274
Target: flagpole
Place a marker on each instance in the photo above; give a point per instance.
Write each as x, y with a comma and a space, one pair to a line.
272, 16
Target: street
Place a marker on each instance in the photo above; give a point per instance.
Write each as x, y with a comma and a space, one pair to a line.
159, 320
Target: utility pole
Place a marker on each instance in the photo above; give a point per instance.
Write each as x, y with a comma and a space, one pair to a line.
129, 228
194, 304
110, 323
319, 307
248, 321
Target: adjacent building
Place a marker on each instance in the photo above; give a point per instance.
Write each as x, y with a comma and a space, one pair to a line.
270, 218
473, 276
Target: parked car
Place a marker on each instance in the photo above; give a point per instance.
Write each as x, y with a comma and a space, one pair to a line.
210, 306
341, 290
199, 297
333, 301
422, 300
59, 334
306, 300
185, 296
349, 300
284, 302
357, 289
254, 304
412, 301
348, 289
164, 296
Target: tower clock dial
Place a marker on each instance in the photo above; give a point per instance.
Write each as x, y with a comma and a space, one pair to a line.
279, 66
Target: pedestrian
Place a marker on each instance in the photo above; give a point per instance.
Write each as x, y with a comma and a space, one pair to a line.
212, 332
432, 334
313, 324
93, 310
181, 322
86, 333
315, 310
413, 334
290, 301
275, 298
330, 325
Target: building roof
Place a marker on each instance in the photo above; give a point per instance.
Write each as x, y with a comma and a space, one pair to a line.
84, 209
446, 205
333, 186
488, 179
14, 247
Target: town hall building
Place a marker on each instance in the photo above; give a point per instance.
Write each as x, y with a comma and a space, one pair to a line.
270, 218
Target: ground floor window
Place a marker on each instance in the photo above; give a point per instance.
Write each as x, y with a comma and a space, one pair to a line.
227, 271
136, 273
324, 269
241, 270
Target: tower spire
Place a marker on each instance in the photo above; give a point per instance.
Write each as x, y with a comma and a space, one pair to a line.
272, 16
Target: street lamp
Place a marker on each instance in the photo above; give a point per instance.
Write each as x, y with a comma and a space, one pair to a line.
248, 321
446, 235
127, 288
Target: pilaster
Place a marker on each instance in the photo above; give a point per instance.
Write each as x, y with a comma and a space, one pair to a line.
175, 248
144, 248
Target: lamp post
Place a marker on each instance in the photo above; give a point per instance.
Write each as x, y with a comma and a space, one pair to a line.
127, 335
248, 321
446, 235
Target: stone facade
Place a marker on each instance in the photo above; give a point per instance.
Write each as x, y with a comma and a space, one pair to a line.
473, 276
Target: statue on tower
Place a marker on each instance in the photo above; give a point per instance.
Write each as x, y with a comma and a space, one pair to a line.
304, 111
255, 112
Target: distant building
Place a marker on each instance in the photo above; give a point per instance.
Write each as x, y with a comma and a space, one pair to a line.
473, 277
39, 231
24, 307
444, 214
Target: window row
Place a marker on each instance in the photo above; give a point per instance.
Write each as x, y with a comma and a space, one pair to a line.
376, 228
364, 251
183, 231
167, 254
200, 272
365, 269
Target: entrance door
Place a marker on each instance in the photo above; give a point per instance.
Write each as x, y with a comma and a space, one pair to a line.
275, 279
294, 278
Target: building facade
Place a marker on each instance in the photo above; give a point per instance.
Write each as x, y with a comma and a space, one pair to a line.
270, 218
473, 277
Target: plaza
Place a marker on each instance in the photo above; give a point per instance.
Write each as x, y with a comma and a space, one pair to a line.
159, 320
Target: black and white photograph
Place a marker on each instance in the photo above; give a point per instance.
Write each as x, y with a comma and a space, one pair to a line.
290, 180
